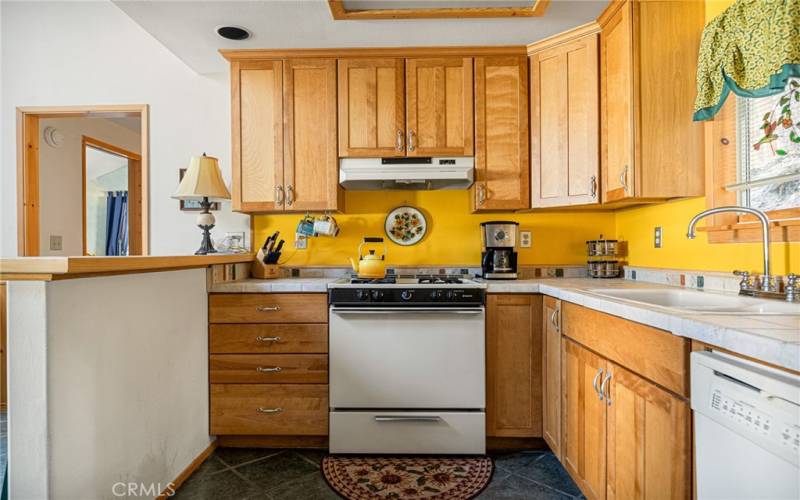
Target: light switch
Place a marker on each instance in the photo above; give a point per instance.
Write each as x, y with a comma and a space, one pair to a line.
525, 239
657, 237
55, 242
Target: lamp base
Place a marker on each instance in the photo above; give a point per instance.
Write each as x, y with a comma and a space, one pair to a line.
205, 221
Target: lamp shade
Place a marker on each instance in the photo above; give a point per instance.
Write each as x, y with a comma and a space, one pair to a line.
202, 179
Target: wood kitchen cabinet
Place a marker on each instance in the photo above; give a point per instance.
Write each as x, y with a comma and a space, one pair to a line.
649, 431
439, 106
372, 114
624, 435
584, 419
513, 366
501, 134
551, 374
565, 107
284, 135
257, 131
650, 147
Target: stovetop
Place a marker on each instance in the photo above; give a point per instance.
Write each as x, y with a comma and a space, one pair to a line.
417, 290
409, 281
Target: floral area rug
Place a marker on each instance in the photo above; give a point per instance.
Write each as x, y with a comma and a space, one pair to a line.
406, 478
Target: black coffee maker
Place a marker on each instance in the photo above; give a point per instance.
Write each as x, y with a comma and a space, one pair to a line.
499, 249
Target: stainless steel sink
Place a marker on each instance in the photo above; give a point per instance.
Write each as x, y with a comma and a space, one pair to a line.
699, 302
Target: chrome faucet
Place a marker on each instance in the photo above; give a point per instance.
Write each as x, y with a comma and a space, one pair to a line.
766, 278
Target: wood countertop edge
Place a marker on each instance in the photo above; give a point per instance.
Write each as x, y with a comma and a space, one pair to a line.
52, 268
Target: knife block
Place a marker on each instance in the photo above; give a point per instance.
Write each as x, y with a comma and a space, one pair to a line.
264, 271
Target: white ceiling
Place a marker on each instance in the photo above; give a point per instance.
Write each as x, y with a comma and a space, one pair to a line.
187, 28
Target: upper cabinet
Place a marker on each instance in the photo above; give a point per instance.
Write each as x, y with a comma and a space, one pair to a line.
565, 159
311, 165
257, 131
650, 147
284, 135
406, 107
501, 134
439, 106
372, 114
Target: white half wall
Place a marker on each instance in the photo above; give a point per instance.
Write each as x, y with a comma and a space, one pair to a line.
126, 390
84, 53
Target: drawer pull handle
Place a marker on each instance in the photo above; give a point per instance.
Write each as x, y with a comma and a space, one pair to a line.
268, 308
270, 411
268, 339
403, 418
268, 369
603, 391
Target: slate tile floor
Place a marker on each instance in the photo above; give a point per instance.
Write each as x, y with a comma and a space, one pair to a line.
250, 474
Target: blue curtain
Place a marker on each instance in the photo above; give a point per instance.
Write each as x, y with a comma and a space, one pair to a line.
117, 223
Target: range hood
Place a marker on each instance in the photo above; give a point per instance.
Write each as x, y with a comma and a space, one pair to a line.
419, 173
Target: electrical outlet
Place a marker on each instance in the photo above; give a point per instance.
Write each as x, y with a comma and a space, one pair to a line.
657, 237
525, 239
55, 242
300, 241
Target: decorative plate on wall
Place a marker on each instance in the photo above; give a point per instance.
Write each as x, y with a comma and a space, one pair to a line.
406, 226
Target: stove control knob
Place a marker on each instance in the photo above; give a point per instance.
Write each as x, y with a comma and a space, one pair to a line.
450, 295
362, 295
377, 295
436, 295
406, 295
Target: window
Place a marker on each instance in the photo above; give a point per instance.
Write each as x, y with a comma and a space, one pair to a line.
768, 151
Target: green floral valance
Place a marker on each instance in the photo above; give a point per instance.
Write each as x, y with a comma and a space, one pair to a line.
752, 49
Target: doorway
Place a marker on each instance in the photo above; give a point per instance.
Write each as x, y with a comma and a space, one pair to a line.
79, 168
112, 201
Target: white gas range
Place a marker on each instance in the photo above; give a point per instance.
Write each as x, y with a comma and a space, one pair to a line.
407, 365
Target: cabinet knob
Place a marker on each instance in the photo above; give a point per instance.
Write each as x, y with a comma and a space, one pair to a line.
594, 383
268, 309
268, 369
268, 339
279, 195
411, 140
289, 195
593, 186
623, 178
399, 140
269, 410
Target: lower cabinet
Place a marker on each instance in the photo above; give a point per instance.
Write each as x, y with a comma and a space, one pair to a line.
268, 365
584, 419
514, 366
551, 374
623, 436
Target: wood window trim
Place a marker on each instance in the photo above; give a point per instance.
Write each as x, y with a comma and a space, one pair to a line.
135, 235
340, 13
720, 156
27, 142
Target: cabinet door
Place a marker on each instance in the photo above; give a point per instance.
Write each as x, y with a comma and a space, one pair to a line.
551, 373
501, 129
513, 366
648, 439
565, 160
311, 162
372, 113
257, 135
439, 107
617, 94
584, 419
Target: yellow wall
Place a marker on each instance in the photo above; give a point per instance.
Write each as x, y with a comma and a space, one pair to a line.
558, 238
453, 235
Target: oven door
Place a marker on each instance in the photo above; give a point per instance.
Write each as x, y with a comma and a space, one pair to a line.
407, 358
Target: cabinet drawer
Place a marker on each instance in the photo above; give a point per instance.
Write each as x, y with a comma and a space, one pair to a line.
268, 338
269, 409
268, 308
655, 354
268, 368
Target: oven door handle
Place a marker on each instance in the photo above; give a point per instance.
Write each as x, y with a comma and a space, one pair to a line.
407, 418
396, 310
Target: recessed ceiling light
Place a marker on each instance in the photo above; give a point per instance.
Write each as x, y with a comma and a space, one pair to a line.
233, 33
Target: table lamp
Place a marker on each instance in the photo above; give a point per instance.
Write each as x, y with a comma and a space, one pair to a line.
203, 181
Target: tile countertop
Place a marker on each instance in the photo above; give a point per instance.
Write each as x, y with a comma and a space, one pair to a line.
770, 338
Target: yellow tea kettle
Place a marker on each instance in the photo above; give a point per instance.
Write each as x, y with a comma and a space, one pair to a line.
370, 265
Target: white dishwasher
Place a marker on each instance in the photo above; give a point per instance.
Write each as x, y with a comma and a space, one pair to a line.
747, 429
